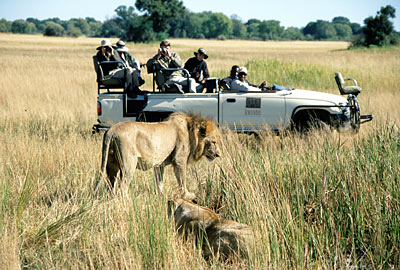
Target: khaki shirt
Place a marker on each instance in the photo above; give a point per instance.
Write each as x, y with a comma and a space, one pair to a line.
166, 62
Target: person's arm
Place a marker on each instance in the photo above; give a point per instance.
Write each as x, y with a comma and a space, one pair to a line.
176, 60
206, 74
243, 86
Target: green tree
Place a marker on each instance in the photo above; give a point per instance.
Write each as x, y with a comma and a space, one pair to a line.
340, 20
356, 28
140, 30
160, 12
270, 30
110, 28
83, 26
54, 29
343, 31
74, 32
217, 25
194, 24
252, 28
320, 30
239, 30
378, 30
22, 27
292, 33
5, 26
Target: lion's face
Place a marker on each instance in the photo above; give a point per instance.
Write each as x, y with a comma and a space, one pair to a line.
211, 148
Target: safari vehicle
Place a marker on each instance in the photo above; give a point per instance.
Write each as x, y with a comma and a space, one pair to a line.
238, 111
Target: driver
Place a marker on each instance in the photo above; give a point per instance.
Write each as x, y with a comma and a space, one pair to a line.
241, 84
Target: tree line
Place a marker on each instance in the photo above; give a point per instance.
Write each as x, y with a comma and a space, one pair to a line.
152, 20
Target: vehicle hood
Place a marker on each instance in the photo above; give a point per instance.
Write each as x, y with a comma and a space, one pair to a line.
317, 96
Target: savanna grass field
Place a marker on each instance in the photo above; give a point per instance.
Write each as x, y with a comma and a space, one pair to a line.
322, 200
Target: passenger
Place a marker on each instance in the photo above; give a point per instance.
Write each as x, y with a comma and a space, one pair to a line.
165, 58
227, 82
241, 84
106, 53
132, 65
198, 69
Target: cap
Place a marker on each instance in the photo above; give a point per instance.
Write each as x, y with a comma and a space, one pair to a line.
243, 70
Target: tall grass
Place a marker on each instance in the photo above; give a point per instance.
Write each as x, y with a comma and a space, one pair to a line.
321, 200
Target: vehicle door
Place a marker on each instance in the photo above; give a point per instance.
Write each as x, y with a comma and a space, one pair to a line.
251, 111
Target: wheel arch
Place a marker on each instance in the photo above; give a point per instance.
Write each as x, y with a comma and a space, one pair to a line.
306, 117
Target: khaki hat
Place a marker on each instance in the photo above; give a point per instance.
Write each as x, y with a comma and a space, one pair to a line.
242, 70
120, 46
104, 43
201, 51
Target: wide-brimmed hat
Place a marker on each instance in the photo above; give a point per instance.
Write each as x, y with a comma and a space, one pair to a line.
120, 46
242, 70
104, 43
201, 51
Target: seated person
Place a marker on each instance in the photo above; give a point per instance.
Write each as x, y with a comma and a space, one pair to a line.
197, 67
132, 65
241, 84
165, 58
226, 82
106, 53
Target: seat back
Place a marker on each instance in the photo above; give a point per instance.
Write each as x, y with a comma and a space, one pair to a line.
340, 82
106, 82
212, 85
97, 68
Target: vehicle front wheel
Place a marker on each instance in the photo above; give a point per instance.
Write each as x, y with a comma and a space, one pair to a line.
354, 112
306, 120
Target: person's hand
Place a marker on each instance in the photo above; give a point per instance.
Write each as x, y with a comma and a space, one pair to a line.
263, 84
197, 75
168, 53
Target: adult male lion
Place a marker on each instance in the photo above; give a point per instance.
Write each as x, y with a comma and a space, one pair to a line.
181, 139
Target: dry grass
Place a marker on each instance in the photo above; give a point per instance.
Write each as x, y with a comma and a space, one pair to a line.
316, 201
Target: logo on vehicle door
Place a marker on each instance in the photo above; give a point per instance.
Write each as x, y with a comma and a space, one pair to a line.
253, 103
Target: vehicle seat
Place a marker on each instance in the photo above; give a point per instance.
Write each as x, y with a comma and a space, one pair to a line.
346, 90
225, 84
106, 81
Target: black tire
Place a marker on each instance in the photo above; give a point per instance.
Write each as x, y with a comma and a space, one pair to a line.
305, 120
354, 112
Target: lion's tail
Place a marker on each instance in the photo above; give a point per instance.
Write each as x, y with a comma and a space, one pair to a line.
106, 147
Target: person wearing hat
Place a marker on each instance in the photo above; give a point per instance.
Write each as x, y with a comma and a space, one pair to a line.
227, 82
106, 53
165, 58
197, 67
132, 65
241, 84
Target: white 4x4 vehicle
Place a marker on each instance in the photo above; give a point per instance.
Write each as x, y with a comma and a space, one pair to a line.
239, 111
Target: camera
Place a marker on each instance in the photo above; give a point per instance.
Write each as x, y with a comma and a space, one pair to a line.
109, 49
163, 50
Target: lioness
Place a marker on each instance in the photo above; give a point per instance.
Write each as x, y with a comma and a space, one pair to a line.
181, 139
224, 238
